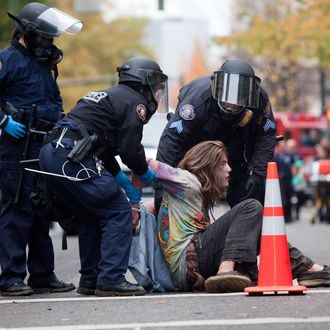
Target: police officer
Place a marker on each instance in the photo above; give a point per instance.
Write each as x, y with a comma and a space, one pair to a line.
28, 72
232, 107
82, 171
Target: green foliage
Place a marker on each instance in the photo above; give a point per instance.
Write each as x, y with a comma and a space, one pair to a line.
99, 48
7, 25
97, 51
290, 35
282, 36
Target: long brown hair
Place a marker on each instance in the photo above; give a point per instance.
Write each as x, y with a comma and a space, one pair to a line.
202, 160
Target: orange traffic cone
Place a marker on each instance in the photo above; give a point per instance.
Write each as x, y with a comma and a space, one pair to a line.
274, 267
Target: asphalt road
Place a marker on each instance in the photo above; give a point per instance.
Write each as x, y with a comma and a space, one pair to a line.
70, 311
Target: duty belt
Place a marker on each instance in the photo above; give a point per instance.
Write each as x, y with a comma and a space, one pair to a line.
57, 132
62, 129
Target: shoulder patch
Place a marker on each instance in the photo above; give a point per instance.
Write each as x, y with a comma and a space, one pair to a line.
177, 125
187, 112
95, 96
269, 124
141, 111
267, 110
0, 65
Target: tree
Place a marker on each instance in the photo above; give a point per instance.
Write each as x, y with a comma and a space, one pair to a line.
283, 36
97, 51
7, 25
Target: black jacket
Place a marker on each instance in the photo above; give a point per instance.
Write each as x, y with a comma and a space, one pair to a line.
117, 116
250, 147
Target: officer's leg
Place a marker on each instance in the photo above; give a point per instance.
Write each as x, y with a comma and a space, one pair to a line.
89, 252
15, 227
116, 241
41, 253
101, 197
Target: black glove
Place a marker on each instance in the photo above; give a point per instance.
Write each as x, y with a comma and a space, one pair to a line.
251, 188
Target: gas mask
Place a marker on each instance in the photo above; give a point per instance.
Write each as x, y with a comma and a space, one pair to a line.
43, 48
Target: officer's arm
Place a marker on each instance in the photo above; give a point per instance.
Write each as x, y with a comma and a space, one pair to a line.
58, 98
175, 141
130, 148
3, 85
265, 141
177, 135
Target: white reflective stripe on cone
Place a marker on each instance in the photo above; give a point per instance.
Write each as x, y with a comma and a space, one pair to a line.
273, 226
273, 193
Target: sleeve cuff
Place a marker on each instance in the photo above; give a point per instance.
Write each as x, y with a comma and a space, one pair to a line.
4, 120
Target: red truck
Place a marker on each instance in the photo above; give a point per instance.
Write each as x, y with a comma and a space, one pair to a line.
305, 129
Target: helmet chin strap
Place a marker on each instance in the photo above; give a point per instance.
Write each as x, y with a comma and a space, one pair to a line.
152, 104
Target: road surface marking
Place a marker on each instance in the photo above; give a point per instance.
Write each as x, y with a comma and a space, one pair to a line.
190, 323
151, 296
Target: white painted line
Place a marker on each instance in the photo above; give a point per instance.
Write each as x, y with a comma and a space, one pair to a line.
190, 323
151, 296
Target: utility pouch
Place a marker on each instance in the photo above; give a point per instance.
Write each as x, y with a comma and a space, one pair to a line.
82, 148
43, 125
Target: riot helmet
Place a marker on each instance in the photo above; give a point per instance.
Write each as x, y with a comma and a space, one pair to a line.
236, 88
39, 24
140, 71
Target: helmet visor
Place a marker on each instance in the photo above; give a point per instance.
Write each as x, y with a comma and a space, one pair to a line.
157, 82
236, 89
53, 22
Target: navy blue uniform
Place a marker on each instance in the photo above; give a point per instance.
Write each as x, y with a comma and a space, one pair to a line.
24, 81
117, 116
198, 118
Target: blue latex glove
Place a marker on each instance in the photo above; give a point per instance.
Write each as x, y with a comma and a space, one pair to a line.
133, 194
148, 177
14, 128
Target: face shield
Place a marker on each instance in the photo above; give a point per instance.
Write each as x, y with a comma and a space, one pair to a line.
53, 22
157, 82
234, 91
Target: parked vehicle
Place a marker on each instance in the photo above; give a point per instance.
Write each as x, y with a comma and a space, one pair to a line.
305, 129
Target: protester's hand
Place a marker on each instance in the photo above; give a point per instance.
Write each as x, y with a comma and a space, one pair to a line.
14, 128
135, 215
148, 177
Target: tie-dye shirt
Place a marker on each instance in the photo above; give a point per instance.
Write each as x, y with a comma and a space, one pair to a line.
180, 216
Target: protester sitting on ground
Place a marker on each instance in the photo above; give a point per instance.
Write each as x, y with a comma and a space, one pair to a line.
215, 256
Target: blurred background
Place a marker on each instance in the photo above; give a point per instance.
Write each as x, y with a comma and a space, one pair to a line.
286, 41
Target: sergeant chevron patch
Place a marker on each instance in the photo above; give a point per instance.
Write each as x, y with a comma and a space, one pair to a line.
269, 124
177, 125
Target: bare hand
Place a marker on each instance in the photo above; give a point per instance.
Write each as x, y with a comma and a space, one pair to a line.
135, 215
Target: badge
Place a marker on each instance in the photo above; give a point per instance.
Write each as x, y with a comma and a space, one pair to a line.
269, 124
267, 110
141, 111
95, 96
187, 112
177, 125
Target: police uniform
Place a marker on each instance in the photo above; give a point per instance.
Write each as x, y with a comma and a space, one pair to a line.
24, 81
250, 141
116, 116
